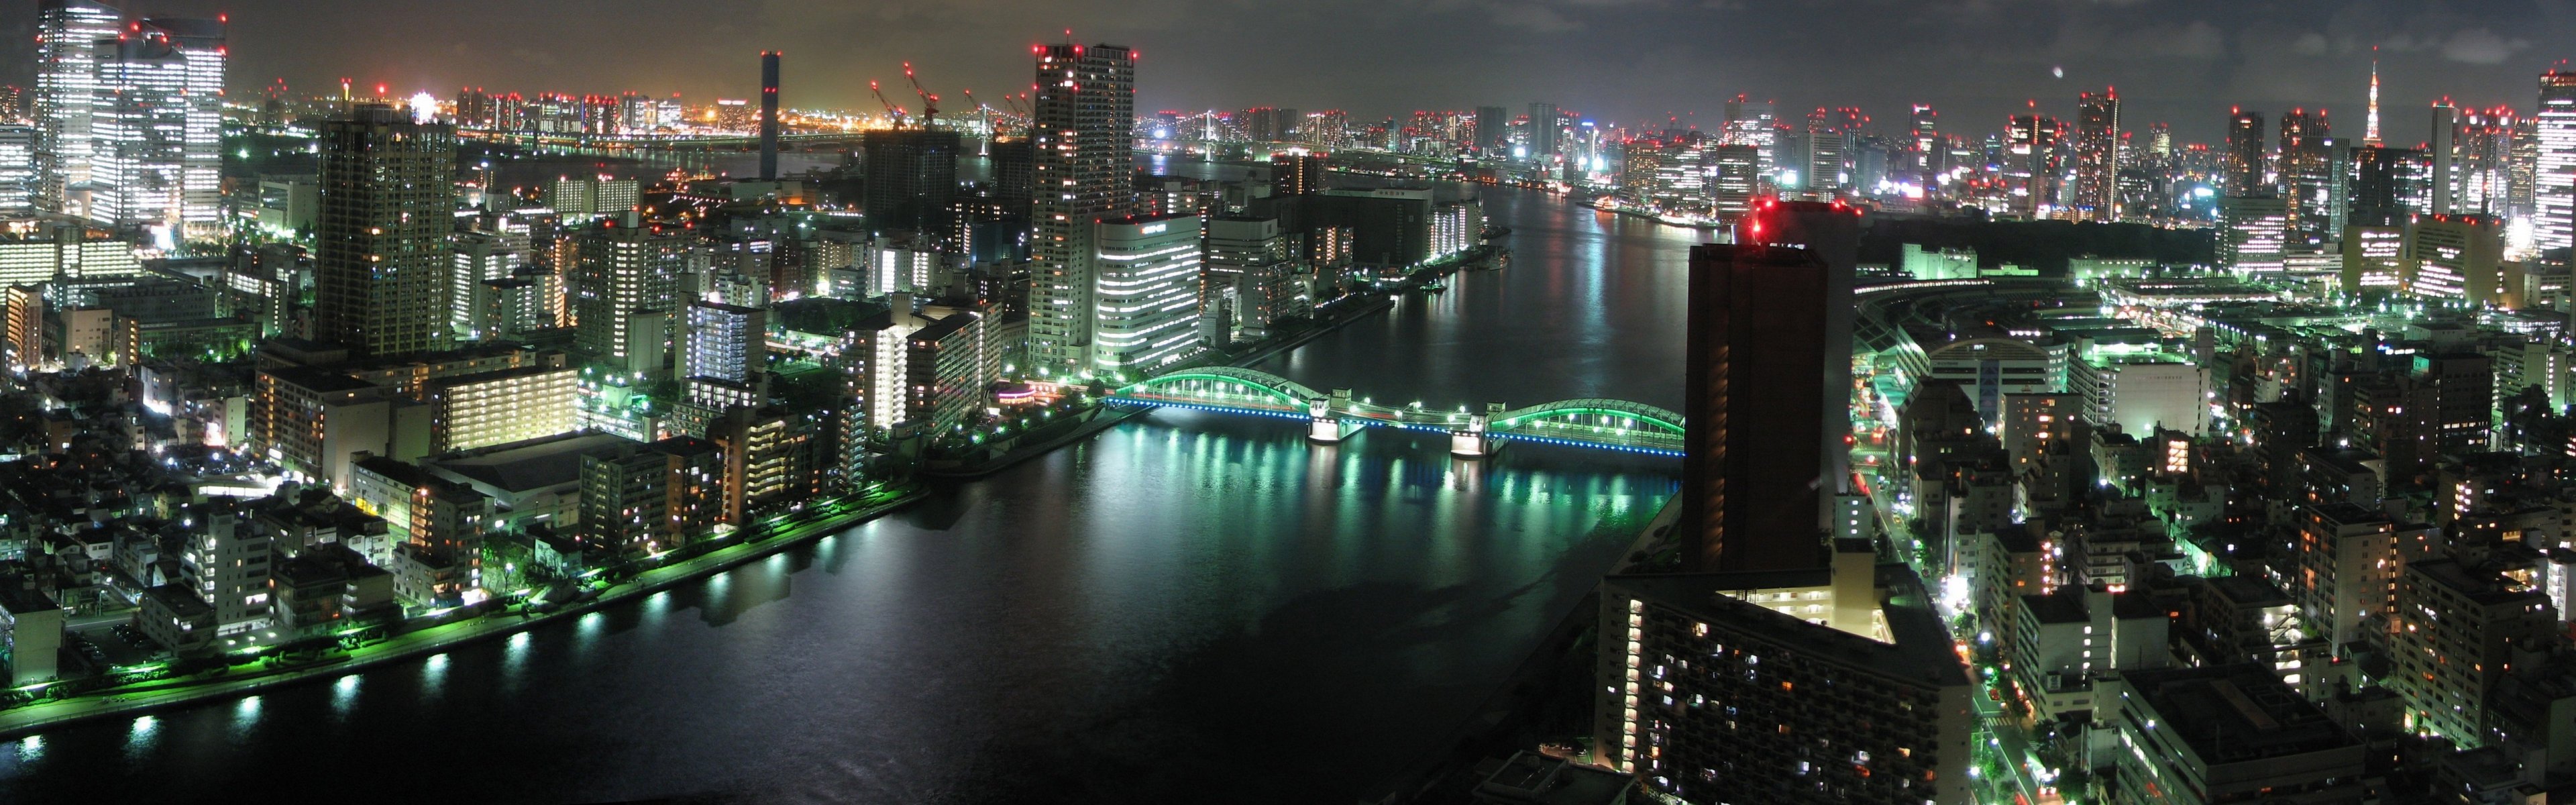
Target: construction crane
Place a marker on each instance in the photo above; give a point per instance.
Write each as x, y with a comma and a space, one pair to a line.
929, 102
892, 111
1017, 107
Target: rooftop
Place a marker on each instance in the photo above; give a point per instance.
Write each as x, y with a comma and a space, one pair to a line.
2234, 713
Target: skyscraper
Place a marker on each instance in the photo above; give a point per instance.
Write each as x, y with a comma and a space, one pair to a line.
2446, 126
67, 37
1542, 131
1769, 378
769, 115
2245, 164
2097, 155
2554, 174
1493, 132
156, 127
1085, 169
2031, 161
381, 257
2307, 178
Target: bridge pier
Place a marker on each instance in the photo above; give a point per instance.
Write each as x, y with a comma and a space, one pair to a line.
1323, 427
1472, 441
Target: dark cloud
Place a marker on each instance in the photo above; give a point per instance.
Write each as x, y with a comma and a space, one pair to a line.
2185, 61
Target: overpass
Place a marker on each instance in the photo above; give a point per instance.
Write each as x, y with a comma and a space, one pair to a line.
1331, 417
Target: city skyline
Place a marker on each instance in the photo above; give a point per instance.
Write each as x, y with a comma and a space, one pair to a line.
1615, 61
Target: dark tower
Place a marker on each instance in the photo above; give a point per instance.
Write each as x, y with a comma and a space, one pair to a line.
1769, 363
768, 115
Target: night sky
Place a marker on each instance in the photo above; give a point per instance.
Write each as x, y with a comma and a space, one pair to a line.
2183, 61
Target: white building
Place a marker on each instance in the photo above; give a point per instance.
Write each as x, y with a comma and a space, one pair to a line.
481, 257
1146, 291
2554, 182
156, 129
17, 170
2142, 397
67, 34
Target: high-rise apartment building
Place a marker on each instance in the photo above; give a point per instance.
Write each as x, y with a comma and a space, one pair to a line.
481, 257
2097, 155
725, 342
381, 255
625, 289
912, 181
156, 119
2554, 172
68, 33
1714, 687
1768, 378
1085, 172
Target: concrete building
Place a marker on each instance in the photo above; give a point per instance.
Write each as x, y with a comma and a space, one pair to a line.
31, 631
1083, 112
624, 291
2453, 634
381, 257
2227, 733
1147, 302
2348, 562
500, 407
1839, 685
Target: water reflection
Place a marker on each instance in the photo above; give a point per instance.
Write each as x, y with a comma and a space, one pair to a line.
1189, 606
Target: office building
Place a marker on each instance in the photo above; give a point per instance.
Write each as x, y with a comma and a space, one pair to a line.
2031, 163
2307, 180
2246, 173
1544, 129
1085, 168
2097, 155
68, 33
156, 129
18, 179
1767, 384
2554, 174
2256, 234
2386, 186
1248, 260
2458, 257
1148, 295
1493, 132
381, 253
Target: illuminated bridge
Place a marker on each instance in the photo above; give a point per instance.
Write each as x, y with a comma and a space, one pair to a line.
1609, 424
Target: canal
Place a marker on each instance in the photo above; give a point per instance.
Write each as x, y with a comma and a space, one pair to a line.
1191, 605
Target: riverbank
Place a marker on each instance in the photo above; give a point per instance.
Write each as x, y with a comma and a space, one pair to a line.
1103, 418
158, 694
1546, 700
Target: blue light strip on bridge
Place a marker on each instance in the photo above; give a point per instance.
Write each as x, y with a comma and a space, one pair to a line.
1378, 423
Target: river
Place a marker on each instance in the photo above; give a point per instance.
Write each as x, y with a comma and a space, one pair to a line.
1189, 606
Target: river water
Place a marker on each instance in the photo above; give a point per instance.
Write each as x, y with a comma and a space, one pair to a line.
1191, 606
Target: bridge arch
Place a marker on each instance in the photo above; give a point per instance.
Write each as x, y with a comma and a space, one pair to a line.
1288, 391
1654, 418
